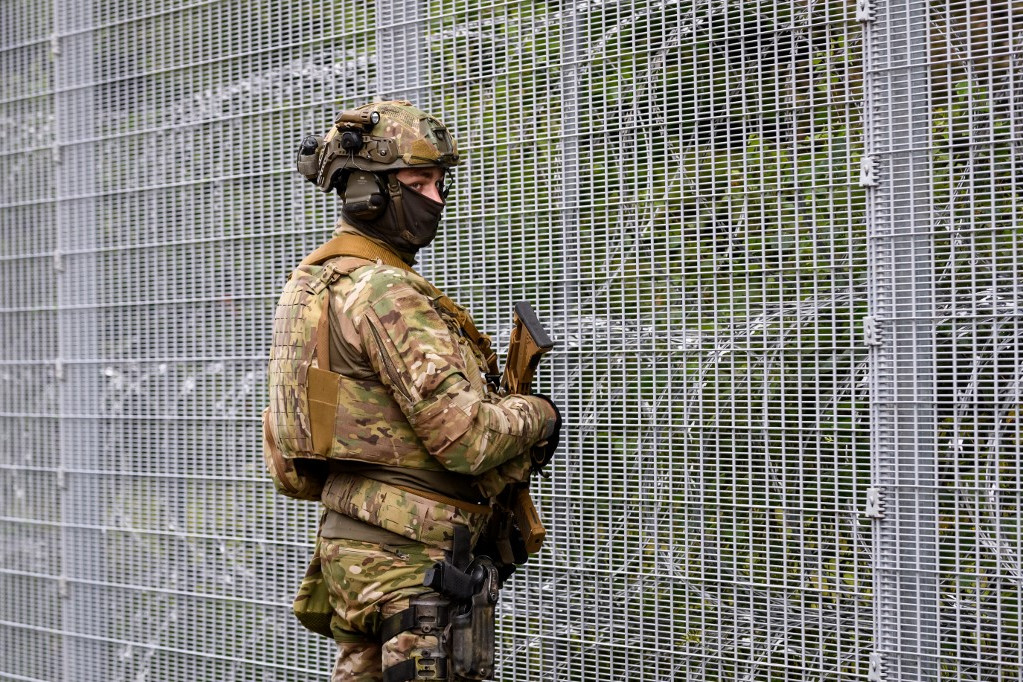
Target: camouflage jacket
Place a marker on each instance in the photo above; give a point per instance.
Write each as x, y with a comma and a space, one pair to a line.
396, 347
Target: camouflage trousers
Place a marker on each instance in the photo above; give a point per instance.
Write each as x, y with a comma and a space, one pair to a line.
368, 582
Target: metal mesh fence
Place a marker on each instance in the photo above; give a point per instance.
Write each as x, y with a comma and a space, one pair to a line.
776, 242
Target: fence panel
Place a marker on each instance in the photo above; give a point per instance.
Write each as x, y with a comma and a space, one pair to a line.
675, 184
31, 554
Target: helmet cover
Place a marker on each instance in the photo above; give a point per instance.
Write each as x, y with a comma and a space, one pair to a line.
377, 137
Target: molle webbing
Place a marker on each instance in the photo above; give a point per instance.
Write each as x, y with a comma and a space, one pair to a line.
292, 358
418, 515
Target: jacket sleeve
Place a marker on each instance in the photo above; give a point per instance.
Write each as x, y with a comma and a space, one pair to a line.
413, 352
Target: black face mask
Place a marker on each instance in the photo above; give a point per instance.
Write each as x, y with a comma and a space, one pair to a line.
408, 222
422, 216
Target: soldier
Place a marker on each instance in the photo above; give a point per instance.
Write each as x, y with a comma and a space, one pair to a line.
415, 443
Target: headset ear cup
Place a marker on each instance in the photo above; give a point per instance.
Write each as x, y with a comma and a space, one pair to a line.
364, 196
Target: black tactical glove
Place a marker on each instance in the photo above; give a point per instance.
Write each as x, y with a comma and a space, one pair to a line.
487, 547
543, 452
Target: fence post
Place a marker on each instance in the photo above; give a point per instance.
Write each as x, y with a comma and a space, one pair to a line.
68, 667
901, 298
76, 270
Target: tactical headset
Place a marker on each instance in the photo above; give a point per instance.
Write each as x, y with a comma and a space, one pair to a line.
363, 193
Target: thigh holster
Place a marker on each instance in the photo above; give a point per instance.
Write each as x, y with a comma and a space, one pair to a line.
459, 613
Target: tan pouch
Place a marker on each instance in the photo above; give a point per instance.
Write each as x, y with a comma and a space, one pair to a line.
301, 479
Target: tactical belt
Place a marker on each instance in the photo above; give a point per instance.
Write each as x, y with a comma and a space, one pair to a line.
419, 515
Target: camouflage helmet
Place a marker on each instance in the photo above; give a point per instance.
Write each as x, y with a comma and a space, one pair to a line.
377, 137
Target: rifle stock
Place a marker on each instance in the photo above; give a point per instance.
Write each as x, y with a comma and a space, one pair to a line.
527, 345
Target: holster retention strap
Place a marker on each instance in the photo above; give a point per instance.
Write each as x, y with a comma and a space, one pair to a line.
427, 615
423, 618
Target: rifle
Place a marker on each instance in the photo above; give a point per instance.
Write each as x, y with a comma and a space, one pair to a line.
520, 531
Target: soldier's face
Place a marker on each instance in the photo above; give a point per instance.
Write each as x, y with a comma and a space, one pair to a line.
426, 181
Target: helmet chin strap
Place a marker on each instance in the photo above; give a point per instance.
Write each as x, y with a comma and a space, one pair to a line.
394, 189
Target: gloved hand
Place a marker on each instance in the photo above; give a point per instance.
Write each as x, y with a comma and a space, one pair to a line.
543, 450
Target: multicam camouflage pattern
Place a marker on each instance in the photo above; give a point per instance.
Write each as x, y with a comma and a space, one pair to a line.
515, 470
417, 517
297, 478
357, 661
367, 583
424, 403
404, 137
312, 604
422, 140
389, 317
296, 329
416, 399
372, 428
